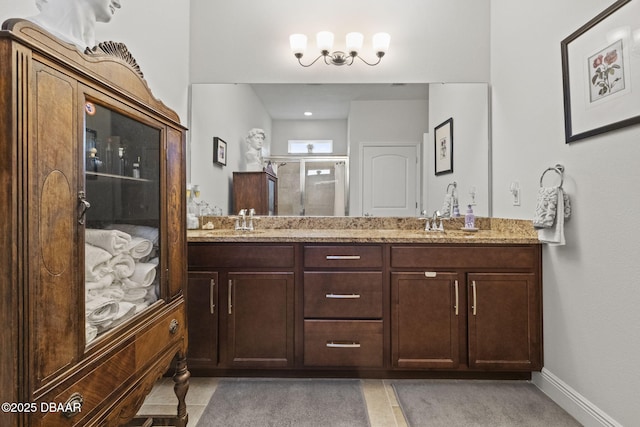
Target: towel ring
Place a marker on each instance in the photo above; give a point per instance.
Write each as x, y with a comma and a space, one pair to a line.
559, 169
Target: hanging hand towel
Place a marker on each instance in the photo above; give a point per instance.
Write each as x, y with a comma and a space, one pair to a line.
546, 207
113, 241
554, 235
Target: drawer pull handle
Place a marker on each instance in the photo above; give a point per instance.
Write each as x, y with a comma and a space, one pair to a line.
430, 274
342, 296
343, 257
173, 326
475, 300
212, 304
73, 405
343, 344
456, 288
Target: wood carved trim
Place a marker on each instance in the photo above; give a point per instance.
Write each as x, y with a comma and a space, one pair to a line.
118, 50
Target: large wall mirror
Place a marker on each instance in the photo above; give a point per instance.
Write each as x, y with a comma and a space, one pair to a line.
376, 132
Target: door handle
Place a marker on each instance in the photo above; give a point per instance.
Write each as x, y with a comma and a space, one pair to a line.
229, 298
475, 300
84, 206
455, 284
212, 305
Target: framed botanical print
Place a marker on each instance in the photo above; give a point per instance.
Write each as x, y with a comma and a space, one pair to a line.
219, 151
443, 147
601, 72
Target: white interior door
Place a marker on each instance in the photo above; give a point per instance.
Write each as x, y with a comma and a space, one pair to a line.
390, 179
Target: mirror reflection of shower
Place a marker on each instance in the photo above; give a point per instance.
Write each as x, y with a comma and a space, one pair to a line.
312, 186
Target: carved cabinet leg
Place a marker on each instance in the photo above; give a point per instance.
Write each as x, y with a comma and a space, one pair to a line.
181, 386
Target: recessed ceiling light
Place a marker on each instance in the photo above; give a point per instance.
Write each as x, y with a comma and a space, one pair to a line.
308, 113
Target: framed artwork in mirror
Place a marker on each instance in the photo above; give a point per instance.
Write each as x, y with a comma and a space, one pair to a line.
600, 68
219, 151
443, 147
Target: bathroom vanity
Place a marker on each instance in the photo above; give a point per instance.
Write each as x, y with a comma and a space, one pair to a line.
365, 297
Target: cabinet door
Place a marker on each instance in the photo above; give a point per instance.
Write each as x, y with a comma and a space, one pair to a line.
425, 317
259, 316
504, 321
202, 317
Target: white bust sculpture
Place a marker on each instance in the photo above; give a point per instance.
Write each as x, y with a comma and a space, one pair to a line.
253, 155
74, 20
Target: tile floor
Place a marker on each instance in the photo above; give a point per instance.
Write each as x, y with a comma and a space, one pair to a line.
381, 400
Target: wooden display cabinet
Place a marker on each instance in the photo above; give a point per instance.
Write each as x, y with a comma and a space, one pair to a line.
255, 190
89, 322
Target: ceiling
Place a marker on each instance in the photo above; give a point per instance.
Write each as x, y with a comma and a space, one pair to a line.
330, 101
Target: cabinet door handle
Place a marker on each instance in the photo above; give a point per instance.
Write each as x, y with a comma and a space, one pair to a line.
342, 296
229, 299
212, 305
341, 344
342, 257
475, 300
455, 284
84, 206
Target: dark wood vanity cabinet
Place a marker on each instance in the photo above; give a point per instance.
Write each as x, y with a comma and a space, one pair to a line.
255, 190
381, 308
253, 317
343, 306
427, 312
469, 307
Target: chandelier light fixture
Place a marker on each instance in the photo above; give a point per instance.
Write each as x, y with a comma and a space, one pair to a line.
324, 40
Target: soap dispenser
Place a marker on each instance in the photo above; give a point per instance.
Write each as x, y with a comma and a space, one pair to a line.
469, 219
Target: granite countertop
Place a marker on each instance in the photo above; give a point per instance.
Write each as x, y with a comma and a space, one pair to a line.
364, 230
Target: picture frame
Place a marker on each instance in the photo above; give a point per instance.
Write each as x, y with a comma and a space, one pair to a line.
601, 72
219, 151
443, 147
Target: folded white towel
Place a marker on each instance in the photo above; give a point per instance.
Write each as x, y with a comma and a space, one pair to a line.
139, 247
134, 294
143, 276
149, 233
100, 310
113, 241
126, 311
95, 263
554, 235
122, 265
90, 333
102, 283
114, 292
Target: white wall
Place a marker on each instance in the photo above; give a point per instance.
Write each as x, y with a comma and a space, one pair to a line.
158, 40
468, 105
228, 112
591, 292
247, 41
381, 121
284, 130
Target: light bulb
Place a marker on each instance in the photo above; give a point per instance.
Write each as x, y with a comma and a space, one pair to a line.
298, 43
324, 40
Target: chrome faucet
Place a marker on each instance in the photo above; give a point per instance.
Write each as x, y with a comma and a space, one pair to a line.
436, 222
243, 214
252, 212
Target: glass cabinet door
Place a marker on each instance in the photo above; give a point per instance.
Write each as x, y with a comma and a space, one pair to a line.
121, 215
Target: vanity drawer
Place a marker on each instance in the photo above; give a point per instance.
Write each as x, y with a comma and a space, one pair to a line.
234, 255
467, 257
343, 256
343, 343
343, 295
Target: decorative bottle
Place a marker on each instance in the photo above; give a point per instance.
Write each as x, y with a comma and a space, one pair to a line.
469, 219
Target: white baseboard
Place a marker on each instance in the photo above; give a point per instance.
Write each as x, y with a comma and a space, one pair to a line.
571, 401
